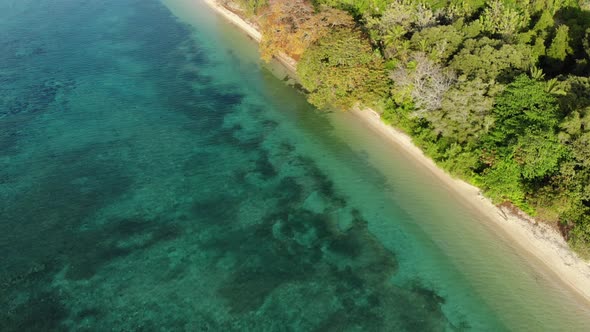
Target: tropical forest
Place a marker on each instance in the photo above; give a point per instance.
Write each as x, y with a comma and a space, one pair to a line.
496, 92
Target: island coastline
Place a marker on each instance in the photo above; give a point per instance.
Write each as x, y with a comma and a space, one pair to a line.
538, 240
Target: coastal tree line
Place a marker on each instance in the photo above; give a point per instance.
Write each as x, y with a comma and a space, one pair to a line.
497, 92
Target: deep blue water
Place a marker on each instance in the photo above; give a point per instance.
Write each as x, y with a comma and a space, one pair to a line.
149, 182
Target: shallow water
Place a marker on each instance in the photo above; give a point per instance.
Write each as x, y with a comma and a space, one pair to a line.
155, 176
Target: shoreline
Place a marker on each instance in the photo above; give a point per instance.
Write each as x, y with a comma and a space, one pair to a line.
252, 32
538, 240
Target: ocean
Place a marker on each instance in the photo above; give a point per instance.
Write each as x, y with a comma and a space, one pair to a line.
155, 175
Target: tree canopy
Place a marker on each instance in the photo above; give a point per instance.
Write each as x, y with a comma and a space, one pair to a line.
341, 69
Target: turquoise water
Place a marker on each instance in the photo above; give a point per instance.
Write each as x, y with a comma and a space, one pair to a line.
154, 176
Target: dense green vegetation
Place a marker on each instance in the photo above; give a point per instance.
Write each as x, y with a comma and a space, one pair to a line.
497, 92
336, 77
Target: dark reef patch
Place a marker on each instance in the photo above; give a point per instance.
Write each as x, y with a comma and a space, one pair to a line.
117, 239
43, 311
265, 167
292, 247
73, 186
194, 76
216, 210
35, 98
44, 223
289, 193
11, 132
